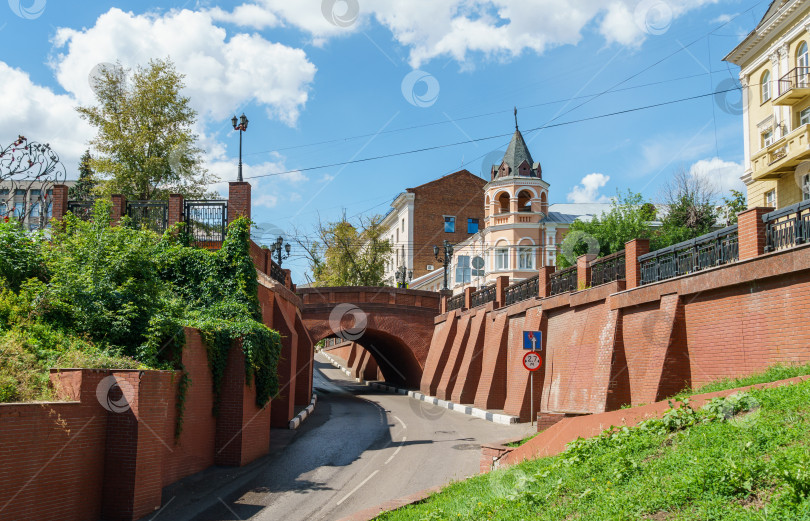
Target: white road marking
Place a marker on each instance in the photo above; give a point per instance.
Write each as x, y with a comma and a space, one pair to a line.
400, 421
401, 444
357, 488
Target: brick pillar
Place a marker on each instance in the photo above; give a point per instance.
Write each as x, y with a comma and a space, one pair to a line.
468, 297
175, 209
751, 232
238, 201
60, 202
632, 251
544, 282
119, 208
501, 283
584, 270
445, 294
288, 278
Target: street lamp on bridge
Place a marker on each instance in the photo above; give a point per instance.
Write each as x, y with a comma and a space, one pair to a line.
403, 276
445, 260
241, 125
276, 248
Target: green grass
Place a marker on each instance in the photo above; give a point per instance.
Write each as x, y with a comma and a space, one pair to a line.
772, 374
521, 442
745, 457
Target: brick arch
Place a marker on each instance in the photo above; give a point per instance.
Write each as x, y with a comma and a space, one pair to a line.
398, 324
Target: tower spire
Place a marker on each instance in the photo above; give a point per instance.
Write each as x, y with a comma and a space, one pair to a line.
516, 124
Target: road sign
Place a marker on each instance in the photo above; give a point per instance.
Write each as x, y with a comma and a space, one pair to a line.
532, 361
533, 340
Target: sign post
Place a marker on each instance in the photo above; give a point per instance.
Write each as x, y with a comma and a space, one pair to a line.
532, 362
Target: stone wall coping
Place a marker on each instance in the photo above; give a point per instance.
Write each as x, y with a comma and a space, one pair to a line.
280, 289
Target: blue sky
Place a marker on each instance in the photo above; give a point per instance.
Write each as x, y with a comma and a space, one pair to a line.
326, 82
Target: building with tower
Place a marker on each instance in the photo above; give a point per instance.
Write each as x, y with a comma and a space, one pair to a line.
521, 230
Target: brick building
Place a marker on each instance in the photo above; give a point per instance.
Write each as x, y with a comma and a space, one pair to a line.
449, 208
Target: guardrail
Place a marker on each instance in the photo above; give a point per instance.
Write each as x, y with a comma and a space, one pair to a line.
707, 251
456, 302
277, 274
563, 281
206, 221
796, 78
608, 268
523, 290
787, 227
482, 296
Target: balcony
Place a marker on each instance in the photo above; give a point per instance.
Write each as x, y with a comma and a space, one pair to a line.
782, 156
794, 87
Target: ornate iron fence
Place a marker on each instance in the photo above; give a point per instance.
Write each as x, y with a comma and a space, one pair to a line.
796, 78
563, 281
707, 251
608, 268
482, 296
277, 274
152, 215
787, 227
206, 221
81, 209
456, 302
523, 290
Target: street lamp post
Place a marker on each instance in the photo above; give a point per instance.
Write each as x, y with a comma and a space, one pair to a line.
241, 125
276, 248
445, 260
403, 276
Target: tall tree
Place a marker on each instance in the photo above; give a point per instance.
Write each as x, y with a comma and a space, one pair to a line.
348, 255
145, 143
690, 204
732, 206
84, 187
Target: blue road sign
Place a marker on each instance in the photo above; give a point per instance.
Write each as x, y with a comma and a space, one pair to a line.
533, 340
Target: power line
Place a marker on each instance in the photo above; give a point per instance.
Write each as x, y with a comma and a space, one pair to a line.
468, 141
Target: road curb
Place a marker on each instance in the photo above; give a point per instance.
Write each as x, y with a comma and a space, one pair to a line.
301, 416
502, 419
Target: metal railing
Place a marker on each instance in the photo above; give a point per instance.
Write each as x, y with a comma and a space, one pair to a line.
482, 296
523, 290
563, 281
277, 274
796, 78
608, 268
456, 302
206, 221
787, 227
707, 251
152, 215
81, 209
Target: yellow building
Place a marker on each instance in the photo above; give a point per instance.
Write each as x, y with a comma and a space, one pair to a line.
775, 75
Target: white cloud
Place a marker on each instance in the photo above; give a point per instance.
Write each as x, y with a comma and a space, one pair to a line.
725, 175
495, 28
222, 73
723, 18
40, 115
587, 191
247, 15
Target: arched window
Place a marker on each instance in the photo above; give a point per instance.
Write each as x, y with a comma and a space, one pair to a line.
543, 202
503, 202
765, 85
802, 64
524, 201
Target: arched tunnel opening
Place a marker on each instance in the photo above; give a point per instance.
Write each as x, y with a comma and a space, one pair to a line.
393, 357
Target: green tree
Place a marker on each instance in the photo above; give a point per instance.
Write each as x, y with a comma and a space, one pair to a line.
348, 255
84, 187
629, 218
145, 143
732, 206
691, 210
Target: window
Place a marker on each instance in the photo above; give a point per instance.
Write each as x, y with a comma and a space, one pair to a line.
804, 116
463, 269
503, 203
525, 258
472, 225
765, 84
801, 65
770, 199
501, 258
767, 138
403, 225
805, 187
525, 201
397, 234
478, 267
449, 224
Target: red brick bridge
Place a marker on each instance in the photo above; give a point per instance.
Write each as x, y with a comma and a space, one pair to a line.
394, 325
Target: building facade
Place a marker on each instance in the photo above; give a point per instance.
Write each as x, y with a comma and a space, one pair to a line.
521, 231
449, 208
30, 202
775, 74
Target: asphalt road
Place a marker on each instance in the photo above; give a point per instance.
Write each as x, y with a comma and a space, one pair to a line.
360, 448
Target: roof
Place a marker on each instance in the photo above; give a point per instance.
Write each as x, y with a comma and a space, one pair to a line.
780, 14
517, 152
772, 10
566, 213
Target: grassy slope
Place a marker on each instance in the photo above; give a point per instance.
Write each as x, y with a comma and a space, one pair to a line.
754, 466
